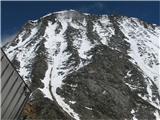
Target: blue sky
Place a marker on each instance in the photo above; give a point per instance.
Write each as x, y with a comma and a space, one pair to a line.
15, 14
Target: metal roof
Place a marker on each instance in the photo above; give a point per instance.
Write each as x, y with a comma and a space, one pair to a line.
14, 91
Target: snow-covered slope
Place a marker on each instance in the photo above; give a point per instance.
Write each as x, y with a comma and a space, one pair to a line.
50, 49
144, 52
145, 47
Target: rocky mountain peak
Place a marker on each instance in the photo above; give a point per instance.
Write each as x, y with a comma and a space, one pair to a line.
89, 66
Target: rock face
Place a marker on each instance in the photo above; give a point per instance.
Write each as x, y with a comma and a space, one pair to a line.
89, 67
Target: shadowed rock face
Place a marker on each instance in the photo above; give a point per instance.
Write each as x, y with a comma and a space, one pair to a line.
87, 67
100, 87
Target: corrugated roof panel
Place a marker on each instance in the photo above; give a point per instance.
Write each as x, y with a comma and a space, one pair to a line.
13, 90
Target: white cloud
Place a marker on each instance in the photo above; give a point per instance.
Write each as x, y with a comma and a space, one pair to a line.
8, 38
98, 6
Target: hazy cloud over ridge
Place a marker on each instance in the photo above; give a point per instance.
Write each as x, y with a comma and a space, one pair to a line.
7, 38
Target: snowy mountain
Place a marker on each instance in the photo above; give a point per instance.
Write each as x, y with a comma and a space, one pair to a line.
84, 66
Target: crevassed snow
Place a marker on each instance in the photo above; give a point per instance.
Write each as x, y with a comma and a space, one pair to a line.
144, 51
